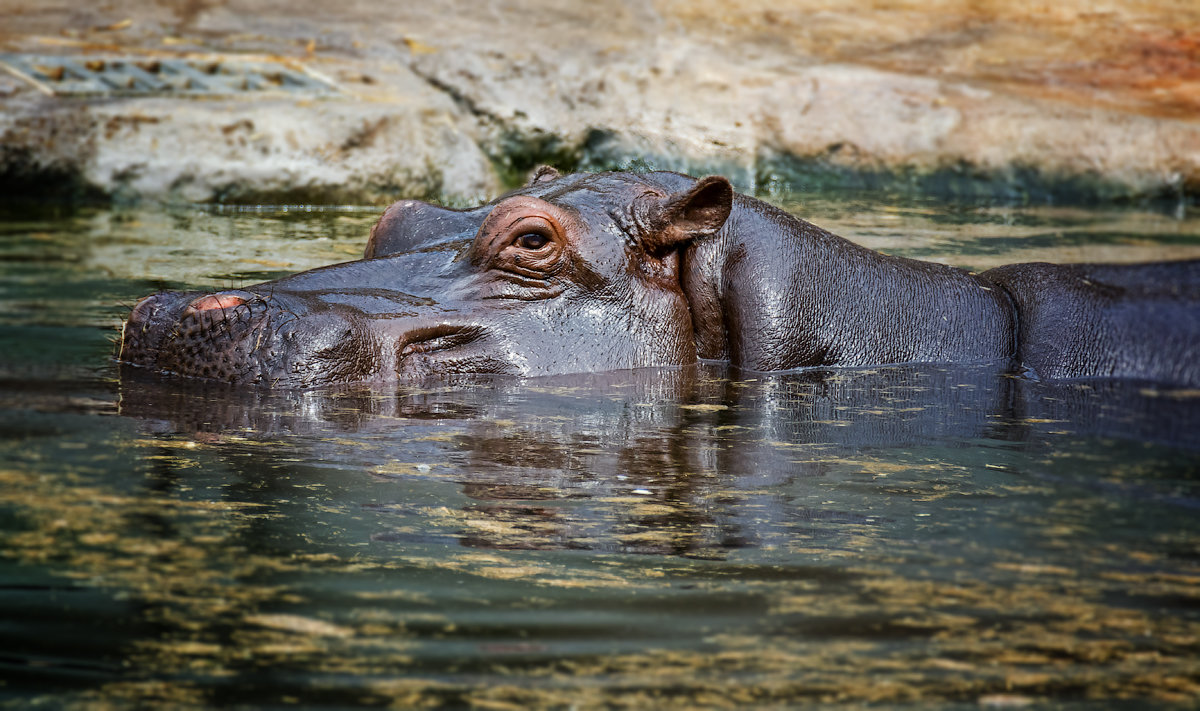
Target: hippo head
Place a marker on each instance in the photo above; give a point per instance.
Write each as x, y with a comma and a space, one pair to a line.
568, 274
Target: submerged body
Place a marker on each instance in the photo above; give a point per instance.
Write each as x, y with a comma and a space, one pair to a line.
594, 272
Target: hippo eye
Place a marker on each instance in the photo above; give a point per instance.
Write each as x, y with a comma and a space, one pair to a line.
532, 241
521, 237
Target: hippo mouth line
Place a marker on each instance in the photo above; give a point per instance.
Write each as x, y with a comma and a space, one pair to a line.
446, 349
432, 339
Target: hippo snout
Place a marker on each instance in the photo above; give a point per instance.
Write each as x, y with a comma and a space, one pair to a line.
241, 337
220, 336
289, 340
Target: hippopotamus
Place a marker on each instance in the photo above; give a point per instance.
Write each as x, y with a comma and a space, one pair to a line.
616, 270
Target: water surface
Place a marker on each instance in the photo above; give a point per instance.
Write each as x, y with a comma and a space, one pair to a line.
905, 535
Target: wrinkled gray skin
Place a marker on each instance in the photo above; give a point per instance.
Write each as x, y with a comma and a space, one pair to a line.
594, 272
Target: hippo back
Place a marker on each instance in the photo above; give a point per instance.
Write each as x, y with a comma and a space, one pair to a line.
1106, 320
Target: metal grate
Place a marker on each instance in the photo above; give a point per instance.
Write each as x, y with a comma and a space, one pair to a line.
137, 76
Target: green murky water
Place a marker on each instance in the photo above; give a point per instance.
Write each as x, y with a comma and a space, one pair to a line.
665, 539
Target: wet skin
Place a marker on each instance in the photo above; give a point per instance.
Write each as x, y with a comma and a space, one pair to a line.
607, 271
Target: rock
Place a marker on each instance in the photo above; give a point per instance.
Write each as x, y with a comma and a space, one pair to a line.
453, 100
339, 150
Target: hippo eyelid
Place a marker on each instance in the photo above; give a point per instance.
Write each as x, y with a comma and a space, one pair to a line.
543, 227
533, 248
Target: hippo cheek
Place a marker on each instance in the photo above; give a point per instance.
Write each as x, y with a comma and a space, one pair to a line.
556, 339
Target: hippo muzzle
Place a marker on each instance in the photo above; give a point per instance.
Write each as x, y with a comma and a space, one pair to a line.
245, 337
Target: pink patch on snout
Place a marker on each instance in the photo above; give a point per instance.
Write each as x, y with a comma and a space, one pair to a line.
216, 301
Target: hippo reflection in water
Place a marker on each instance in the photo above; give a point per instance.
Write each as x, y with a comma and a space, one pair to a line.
607, 271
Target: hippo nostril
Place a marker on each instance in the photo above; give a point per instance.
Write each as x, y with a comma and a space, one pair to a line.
144, 305
148, 308
149, 323
216, 301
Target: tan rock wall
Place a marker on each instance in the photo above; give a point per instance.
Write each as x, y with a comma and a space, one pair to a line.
451, 99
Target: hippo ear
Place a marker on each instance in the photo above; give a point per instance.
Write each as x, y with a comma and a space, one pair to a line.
670, 222
542, 174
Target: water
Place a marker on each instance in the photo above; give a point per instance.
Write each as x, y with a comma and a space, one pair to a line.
694, 538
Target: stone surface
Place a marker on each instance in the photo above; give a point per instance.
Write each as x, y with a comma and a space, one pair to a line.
1070, 100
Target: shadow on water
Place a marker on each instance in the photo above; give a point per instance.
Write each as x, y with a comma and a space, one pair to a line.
662, 538
678, 462
654, 537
